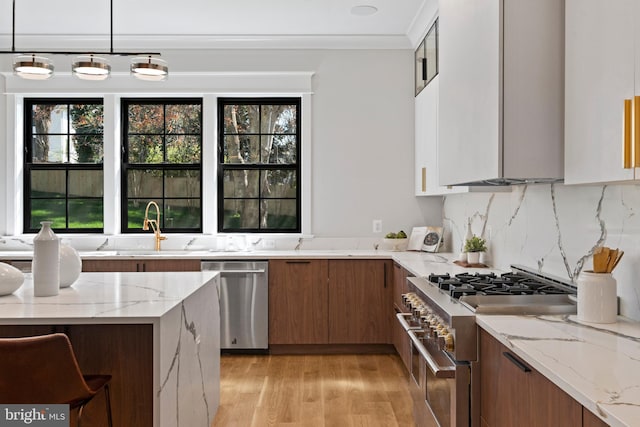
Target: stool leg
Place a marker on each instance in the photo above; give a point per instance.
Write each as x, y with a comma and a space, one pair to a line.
108, 401
79, 421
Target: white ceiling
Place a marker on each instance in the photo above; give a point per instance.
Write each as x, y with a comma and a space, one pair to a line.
167, 24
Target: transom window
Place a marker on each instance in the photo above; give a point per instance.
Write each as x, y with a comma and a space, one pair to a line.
162, 146
64, 148
258, 165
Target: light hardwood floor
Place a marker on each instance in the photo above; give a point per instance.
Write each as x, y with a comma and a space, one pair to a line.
314, 391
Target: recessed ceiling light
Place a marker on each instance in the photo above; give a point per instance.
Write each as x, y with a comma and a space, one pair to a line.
363, 10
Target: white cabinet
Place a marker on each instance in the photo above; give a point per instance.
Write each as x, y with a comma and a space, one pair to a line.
501, 90
602, 70
426, 143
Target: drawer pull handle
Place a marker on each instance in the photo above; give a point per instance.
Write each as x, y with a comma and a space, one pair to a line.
519, 364
626, 132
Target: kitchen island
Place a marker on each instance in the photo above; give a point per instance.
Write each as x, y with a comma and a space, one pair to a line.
156, 333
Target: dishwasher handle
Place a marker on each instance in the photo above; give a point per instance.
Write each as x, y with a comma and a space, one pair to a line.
242, 271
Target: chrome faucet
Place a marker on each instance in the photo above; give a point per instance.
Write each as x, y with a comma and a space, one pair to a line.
154, 223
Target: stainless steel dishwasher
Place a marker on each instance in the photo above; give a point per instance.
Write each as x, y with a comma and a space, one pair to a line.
244, 304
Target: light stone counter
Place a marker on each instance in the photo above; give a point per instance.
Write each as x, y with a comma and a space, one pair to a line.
183, 310
596, 364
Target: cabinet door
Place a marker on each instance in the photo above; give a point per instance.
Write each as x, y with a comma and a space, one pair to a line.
469, 146
512, 393
599, 70
360, 301
298, 297
110, 265
426, 139
399, 336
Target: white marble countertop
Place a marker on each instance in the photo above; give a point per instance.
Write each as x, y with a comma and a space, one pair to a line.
103, 298
597, 364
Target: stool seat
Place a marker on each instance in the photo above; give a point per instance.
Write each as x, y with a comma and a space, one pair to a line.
44, 370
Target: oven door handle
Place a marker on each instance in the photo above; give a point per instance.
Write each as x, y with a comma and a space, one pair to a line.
405, 325
437, 370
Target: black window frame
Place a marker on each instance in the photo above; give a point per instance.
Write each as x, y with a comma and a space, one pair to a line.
222, 167
30, 166
126, 166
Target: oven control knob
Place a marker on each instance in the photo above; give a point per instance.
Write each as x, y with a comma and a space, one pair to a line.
448, 342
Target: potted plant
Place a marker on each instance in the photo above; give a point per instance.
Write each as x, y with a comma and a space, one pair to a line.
473, 247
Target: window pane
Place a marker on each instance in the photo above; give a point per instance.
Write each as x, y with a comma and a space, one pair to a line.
183, 118
183, 149
85, 183
280, 214
182, 183
241, 214
278, 184
49, 118
86, 149
86, 213
48, 210
241, 119
49, 149
146, 184
87, 118
278, 119
135, 212
146, 119
241, 149
182, 213
145, 149
241, 183
279, 149
48, 183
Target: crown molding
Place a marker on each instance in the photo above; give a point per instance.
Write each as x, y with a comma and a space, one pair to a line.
422, 22
67, 42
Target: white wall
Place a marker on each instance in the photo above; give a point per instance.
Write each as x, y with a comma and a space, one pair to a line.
362, 129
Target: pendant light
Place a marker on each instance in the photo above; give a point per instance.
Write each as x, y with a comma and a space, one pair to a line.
89, 67
149, 68
33, 67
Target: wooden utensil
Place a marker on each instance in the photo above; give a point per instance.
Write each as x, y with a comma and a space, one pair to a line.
600, 259
613, 255
617, 260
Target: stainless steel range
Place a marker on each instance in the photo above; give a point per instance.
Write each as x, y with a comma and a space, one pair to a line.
440, 321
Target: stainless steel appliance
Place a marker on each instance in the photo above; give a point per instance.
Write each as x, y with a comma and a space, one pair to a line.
244, 303
440, 322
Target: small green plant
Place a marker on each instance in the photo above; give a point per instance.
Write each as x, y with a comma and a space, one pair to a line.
475, 244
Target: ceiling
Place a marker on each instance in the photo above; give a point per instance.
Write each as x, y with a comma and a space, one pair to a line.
167, 24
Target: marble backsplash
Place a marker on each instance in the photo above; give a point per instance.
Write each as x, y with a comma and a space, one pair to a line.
554, 228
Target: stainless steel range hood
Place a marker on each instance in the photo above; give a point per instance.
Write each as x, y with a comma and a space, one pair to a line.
503, 182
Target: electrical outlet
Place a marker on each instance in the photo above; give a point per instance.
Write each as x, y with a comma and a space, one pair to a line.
377, 226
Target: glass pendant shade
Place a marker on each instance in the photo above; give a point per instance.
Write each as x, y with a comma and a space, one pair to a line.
149, 68
89, 67
33, 67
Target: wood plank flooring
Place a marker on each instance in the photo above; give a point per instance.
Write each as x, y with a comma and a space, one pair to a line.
314, 391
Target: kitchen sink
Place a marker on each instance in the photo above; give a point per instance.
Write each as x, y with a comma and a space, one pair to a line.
520, 304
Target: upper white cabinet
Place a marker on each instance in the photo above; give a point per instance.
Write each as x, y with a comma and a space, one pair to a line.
426, 143
501, 90
602, 70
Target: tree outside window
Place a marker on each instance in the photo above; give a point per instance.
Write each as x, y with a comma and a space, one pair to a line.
258, 170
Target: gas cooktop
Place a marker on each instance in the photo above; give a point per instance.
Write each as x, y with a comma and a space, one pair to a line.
519, 292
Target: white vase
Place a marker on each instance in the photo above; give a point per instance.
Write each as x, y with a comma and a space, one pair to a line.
46, 262
70, 265
10, 279
473, 257
597, 297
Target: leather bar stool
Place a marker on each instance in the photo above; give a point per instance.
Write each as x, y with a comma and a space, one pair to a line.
44, 370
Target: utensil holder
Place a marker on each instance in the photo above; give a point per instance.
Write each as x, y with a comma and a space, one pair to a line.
597, 297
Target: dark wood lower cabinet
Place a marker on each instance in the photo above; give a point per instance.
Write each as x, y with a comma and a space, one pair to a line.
123, 351
142, 265
591, 420
514, 394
